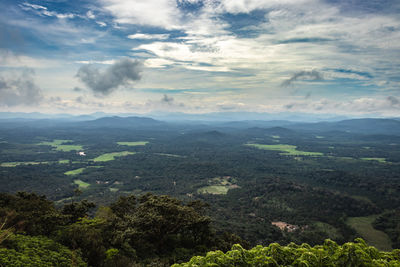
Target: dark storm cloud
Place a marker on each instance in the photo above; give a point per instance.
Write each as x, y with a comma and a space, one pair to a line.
19, 90
309, 75
121, 73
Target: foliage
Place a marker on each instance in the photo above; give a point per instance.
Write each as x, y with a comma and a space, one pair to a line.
24, 251
328, 254
389, 222
30, 213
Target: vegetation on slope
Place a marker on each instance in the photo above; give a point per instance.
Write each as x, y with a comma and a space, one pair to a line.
328, 254
144, 230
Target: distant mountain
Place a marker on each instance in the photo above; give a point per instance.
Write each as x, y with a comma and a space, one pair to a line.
122, 122
245, 116
279, 131
362, 126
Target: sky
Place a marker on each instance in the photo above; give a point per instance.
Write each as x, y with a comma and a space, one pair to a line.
198, 56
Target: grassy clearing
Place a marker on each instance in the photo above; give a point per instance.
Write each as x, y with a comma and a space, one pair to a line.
286, 149
218, 186
138, 143
112, 156
380, 160
57, 144
15, 164
214, 189
113, 190
80, 170
75, 172
275, 136
81, 184
64, 161
373, 237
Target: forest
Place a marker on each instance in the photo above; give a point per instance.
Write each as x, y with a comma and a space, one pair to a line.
250, 182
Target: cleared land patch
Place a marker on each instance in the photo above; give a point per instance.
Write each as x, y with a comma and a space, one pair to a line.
218, 186
75, 172
381, 160
80, 170
137, 143
363, 226
15, 164
58, 144
112, 156
286, 150
81, 184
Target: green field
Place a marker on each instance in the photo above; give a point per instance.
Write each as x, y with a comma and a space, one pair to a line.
286, 149
64, 161
81, 184
381, 160
57, 144
15, 164
112, 156
363, 226
275, 136
80, 170
214, 189
138, 143
75, 172
218, 186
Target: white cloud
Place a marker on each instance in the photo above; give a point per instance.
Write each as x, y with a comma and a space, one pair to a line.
246, 6
144, 36
90, 14
156, 13
43, 11
101, 23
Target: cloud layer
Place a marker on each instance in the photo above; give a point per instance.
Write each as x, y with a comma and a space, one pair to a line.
121, 73
19, 89
309, 75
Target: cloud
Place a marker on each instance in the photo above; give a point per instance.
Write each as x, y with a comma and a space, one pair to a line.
364, 105
43, 11
121, 73
78, 89
170, 101
313, 75
19, 89
90, 14
394, 101
148, 36
101, 23
167, 99
156, 13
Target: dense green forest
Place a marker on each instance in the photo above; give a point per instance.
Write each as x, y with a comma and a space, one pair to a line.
149, 230
261, 183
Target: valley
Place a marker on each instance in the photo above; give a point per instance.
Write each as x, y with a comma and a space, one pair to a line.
320, 179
